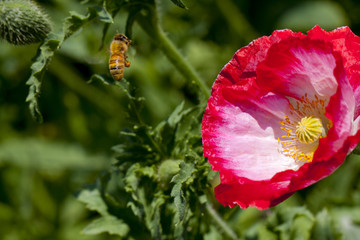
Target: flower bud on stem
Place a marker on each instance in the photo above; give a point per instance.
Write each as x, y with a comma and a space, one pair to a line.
22, 22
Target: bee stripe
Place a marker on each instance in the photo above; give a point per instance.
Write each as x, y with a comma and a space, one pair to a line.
117, 61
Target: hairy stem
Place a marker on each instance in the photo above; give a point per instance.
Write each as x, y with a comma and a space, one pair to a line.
151, 26
228, 231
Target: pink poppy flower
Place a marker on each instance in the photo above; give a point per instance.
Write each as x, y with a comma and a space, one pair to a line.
283, 114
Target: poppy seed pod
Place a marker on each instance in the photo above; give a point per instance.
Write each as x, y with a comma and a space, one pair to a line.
167, 170
22, 22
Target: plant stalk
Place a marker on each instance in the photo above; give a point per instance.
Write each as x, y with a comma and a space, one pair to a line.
228, 231
153, 29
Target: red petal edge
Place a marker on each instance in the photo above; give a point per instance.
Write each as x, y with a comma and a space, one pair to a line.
347, 44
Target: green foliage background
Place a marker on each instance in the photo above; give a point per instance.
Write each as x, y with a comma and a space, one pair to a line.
75, 177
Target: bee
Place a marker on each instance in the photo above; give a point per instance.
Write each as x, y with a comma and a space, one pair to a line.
117, 62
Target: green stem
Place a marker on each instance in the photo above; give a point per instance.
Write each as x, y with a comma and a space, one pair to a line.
151, 26
228, 231
182, 65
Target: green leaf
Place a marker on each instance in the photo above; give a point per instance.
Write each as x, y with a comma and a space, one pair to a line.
132, 152
147, 202
107, 224
179, 3
186, 170
167, 169
134, 175
341, 182
301, 227
176, 115
266, 234
42, 59
176, 129
213, 234
48, 48
323, 229
188, 124
103, 14
93, 201
49, 156
152, 217
75, 21
135, 104
297, 223
114, 6
346, 222
248, 217
102, 78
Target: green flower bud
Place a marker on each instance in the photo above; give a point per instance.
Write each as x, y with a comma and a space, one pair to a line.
167, 170
22, 22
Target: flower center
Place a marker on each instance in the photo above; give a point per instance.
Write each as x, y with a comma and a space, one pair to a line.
303, 128
309, 129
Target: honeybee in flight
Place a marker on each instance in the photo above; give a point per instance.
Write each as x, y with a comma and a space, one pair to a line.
117, 61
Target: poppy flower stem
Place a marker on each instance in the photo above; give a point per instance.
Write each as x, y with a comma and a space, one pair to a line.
150, 24
223, 225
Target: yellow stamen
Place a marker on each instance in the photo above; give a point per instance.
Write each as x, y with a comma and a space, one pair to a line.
303, 128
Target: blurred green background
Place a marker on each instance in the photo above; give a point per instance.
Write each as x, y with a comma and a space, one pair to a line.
43, 165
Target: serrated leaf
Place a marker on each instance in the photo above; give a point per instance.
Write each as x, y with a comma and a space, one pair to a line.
176, 115
152, 217
93, 201
179, 3
166, 138
146, 203
189, 125
75, 21
186, 170
38, 68
134, 175
107, 224
141, 134
167, 130
102, 78
135, 103
103, 14
48, 48
132, 152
